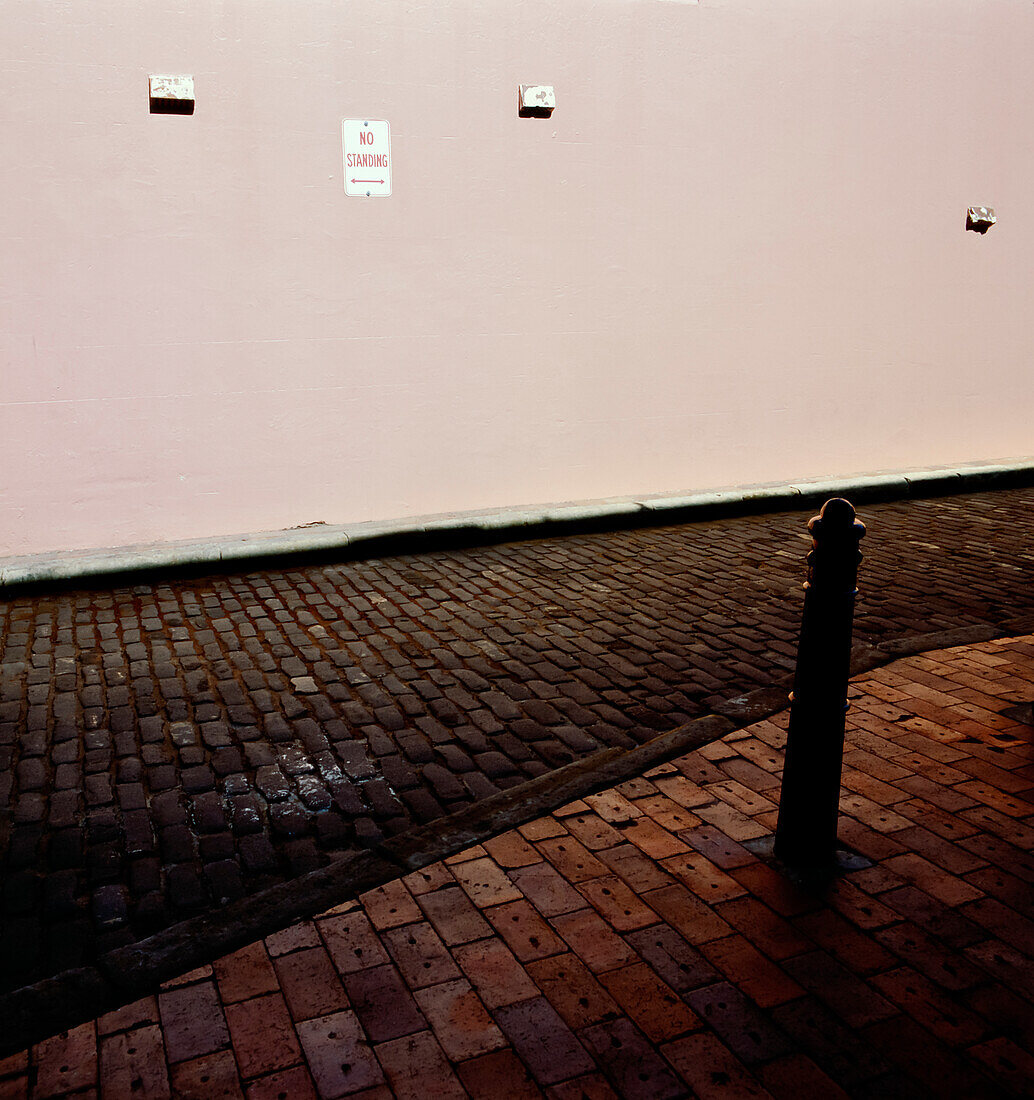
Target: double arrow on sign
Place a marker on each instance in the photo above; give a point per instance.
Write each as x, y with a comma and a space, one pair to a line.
367, 181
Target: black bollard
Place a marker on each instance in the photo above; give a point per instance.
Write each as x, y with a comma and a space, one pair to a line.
809, 803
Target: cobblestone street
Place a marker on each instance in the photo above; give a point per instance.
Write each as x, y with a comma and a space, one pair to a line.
168, 747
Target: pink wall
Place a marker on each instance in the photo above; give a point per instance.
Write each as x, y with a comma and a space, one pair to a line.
735, 253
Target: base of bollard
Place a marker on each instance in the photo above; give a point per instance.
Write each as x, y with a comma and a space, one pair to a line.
844, 861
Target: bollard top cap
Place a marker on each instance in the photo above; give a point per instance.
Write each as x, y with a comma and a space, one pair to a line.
837, 510
837, 517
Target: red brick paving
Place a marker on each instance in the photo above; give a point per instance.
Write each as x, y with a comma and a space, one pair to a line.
620, 948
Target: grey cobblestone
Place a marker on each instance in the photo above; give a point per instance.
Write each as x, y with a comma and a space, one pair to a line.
347, 798
224, 880
184, 886
271, 781
257, 853
288, 819
207, 813
246, 814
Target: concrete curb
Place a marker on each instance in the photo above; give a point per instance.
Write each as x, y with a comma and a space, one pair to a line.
418, 533
37, 1011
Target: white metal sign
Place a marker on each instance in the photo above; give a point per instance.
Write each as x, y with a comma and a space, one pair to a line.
367, 150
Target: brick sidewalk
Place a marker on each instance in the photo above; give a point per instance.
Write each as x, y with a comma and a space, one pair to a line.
218, 736
635, 945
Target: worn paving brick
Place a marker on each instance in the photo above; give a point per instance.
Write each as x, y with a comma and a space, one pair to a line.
417, 1068
294, 938
191, 977
571, 858
524, 930
352, 942
454, 917
498, 1074
617, 904
390, 905
459, 1020
1001, 921
853, 1001
930, 1066
840, 1052
339, 1055
420, 955
837, 935
511, 850
546, 889
931, 1007
495, 972
485, 882
212, 1077
192, 1021
67, 1062
309, 983
776, 890
703, 877
650, 1002
949, 969
718, 847
796, 1075
935, 880
289, 1084
740, 1024
1009, 966
543, 1041
940, 920
1006, 1063
383, 1004
591, 1086
592, 831
544, 828
711, 1069
593, 940
135, 1014
762, 980
629, 1060
132, 1063
571, 989
637, 870
262, 1034
428, 879
770, 933
687, 914
667, 815
677, 963
246, 973
653, 840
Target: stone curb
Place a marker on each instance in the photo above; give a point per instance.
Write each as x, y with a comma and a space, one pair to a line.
73, 997
453, 529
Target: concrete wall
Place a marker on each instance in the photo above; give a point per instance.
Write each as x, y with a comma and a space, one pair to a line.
735, 253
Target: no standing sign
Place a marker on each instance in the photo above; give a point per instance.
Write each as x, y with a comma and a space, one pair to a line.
367, 151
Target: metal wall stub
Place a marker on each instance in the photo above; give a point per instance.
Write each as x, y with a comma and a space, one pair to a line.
535, 100
171, 95
979, 219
